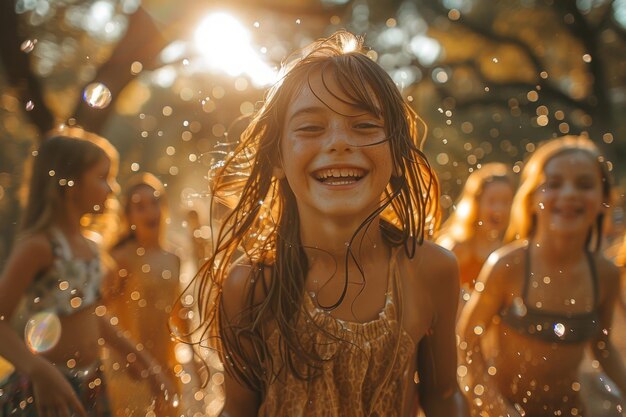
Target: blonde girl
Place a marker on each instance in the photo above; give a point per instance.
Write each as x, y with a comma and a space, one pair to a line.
142, 290
547, 295
476, 227
54, 273
338, 306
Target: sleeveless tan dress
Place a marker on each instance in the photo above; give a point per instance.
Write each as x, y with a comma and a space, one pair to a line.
370, 370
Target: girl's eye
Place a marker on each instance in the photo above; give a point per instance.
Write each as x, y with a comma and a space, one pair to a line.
552, 184
585, 185
309, 128
368, 125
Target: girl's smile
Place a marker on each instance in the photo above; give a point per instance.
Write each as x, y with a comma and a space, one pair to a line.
333, 152
568, 198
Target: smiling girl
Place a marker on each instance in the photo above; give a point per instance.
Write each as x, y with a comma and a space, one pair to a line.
477, 225
547, 295
338, 306
141, 292
54, 272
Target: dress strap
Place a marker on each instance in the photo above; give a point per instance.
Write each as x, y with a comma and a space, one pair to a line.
594, 278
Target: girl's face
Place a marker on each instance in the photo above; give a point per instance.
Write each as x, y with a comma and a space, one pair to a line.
93, 187
144, 210
570, 197
327, 170
494, 206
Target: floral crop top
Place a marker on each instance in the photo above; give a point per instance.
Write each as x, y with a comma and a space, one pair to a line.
68, 286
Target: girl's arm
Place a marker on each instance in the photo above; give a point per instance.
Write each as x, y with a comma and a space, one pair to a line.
437, 358
602, 347
240, 400
52, 392
475, 319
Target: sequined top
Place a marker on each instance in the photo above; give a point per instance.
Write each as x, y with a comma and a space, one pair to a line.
368, 372
553, 327
68, 286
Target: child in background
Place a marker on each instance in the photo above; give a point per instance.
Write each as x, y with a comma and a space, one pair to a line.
476, 227
50, 288
549, 294
141, 292
338, 307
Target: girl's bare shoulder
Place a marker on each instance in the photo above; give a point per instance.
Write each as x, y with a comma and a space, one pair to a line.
37, 245
510, 255
504, 270
122, 253
243, 277
30, 254
432, 266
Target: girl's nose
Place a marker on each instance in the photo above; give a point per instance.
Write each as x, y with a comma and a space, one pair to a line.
338, 140
568, 188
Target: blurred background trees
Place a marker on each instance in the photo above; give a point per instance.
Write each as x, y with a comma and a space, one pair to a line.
166, 80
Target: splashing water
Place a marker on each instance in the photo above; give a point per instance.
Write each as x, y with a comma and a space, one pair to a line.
42, 332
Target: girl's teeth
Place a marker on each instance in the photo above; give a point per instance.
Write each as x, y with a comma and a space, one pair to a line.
340, 173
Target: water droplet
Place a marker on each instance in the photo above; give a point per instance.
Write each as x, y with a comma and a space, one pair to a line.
97, 95
42, 332
30, 105
541, 206
28, 45
559, 329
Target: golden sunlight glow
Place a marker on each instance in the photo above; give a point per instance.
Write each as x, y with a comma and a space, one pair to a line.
463, 210
349, 46
226, 47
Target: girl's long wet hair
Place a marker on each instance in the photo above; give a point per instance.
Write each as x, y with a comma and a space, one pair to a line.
263, 224
57, 165
461, 225
523, 220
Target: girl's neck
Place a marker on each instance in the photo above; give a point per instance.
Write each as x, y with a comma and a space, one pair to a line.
484, 234
334, 237
147, 241
559, 247
69, 221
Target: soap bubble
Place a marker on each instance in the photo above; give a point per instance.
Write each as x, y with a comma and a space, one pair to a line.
42, 332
